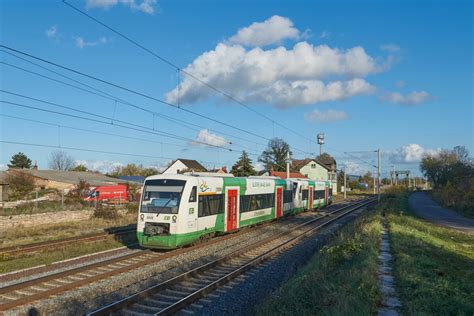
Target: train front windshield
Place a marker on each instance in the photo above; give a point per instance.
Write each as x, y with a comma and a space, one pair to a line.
162, 196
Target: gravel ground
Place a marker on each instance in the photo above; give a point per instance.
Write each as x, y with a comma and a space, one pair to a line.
251, 289
106, 291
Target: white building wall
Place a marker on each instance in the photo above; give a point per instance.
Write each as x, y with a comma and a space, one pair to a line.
175, 168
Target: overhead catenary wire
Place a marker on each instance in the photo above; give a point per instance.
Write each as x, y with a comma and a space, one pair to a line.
109, 120
132, 91
93, 150
174, 120
95, 132
138, 93
173, 65
111, 97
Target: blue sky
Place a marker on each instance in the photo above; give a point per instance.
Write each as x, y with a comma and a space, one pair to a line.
394, 75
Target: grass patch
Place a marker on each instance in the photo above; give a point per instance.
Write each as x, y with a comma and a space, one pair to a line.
340, 279
10, 263
433, 265
25, 235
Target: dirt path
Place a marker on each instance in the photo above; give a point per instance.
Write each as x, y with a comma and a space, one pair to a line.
424, 206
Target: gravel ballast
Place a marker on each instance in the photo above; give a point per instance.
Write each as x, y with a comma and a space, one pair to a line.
246, 292
92, 296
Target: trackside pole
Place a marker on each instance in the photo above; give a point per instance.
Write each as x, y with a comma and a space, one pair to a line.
345, 187
378, 173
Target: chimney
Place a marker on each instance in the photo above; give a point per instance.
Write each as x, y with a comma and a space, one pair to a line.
224, 169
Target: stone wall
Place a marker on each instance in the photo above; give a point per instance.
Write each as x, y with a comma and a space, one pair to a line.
29, 220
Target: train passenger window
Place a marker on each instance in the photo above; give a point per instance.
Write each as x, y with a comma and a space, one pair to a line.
287, 196
245, 203
193, 196
304, 195
211, 205
255, 202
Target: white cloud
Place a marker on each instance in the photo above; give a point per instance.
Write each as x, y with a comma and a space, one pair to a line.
324, 34
205, 136
280, 76
391, 48
3, 167
411, 153
354, 168
413, 98
325, 116
102, 166
270, 31
52, 31
146, 6
82, 43
400, 84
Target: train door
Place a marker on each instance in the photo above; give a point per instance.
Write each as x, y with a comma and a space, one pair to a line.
310, 198
231, 209
279, 202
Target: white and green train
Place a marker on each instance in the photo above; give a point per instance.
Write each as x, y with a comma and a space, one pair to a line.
177, 210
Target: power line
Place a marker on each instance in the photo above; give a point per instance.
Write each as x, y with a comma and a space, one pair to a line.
109, 96
138, 93
111, 121
95, 132
118, 100
168, 62
91, 150
132, 91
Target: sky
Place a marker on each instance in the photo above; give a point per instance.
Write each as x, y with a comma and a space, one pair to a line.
391, 75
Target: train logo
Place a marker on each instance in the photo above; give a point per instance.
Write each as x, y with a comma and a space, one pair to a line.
204, 187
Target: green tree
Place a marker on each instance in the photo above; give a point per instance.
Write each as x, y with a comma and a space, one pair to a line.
275, 155
368, 179
80, 167
20, 161
243, 167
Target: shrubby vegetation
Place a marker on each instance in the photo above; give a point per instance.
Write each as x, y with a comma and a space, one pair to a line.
20, 184
133, 170
452, 175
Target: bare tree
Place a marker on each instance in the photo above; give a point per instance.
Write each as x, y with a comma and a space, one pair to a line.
61, 160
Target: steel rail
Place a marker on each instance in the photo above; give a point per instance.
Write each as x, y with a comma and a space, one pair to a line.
152, 257
64, 241
172, 308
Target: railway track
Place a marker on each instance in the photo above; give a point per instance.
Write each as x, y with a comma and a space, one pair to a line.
26, 292
35, 247
174, 295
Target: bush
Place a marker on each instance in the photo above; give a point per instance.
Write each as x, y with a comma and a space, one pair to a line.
20, 184
105, 212
132, 208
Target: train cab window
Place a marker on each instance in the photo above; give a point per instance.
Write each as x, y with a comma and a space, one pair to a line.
193, 196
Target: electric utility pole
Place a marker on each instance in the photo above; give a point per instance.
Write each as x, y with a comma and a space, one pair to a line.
288, 165
345, 186
373, 176
378, 173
